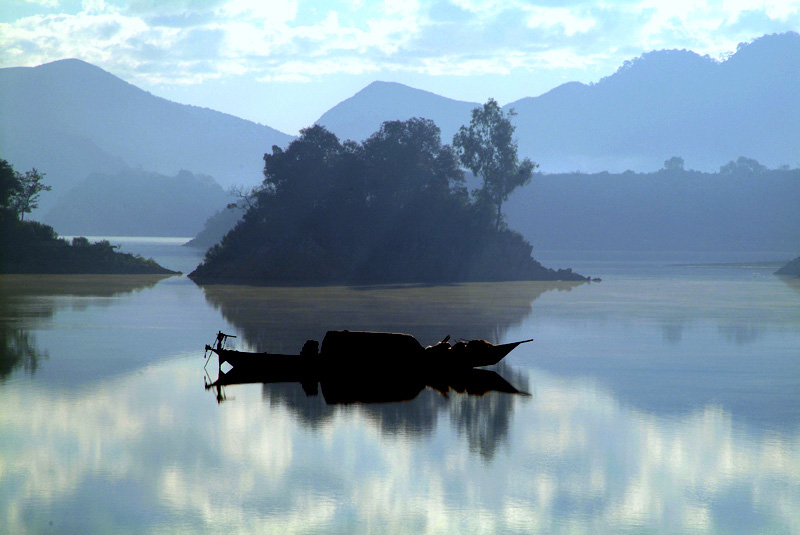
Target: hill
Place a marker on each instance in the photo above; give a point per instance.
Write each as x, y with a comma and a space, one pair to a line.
741, 207
137, 203
362, 114
393, 209
32, 247
71, 119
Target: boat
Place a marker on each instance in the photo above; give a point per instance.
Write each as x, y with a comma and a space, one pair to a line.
368, 367
366, 352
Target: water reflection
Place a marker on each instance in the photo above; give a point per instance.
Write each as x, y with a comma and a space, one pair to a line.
280, 319
152, 453
479, 402
674, 346
792, 282
643, 395
28, 300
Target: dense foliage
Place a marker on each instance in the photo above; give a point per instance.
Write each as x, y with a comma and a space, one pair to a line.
391, 209
487, 148
31, 247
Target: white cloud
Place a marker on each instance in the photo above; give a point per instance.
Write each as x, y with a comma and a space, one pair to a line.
273, 14
289, 41
549, 17
45, 3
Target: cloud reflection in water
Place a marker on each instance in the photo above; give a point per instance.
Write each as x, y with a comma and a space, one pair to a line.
577, 460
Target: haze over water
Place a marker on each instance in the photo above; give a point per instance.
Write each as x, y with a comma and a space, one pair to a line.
664, 399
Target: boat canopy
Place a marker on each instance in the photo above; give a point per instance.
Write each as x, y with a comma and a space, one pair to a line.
368, 346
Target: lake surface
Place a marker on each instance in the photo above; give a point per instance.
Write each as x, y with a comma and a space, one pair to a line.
665, 399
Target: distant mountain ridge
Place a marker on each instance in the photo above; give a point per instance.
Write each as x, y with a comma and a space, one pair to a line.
362, 114
137, 203
664, 103
70, 119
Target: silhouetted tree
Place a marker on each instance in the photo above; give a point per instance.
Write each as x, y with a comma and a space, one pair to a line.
25, 198
246, 197
393, 208
742, 165
406, 160
9, 186
674, 164
487, 148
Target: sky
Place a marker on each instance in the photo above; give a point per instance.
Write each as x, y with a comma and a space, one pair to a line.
284, 63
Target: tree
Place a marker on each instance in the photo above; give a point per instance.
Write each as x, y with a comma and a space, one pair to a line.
487, 148
406, 159
743, 166
9, 186
26, 197
675, 163
246, 197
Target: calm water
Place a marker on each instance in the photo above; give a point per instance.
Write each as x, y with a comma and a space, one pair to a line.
665, 399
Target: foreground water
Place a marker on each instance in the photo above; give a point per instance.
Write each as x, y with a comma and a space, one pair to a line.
665, 399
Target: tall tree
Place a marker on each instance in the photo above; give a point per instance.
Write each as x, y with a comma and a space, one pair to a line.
488, 149
26, 198
9, 187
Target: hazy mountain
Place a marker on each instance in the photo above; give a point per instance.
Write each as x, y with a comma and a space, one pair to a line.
70, 119
672, 102
661, 104
137, 203
739, 208
362, 114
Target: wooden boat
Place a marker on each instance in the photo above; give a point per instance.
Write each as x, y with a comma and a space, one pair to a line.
366, 352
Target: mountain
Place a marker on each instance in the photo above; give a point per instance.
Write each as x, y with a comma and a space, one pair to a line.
70, 119
672, 102
362, 114
664, 103
137, 203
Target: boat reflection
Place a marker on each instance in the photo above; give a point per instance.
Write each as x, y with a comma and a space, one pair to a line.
479, 403
350, 388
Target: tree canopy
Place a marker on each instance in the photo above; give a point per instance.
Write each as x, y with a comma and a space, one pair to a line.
391, 209
19, 193
487, 148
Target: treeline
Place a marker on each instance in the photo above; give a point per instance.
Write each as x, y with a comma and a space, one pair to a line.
394, 208
32, 247
742, 207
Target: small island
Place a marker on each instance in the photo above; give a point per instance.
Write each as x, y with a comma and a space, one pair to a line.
791, 269
32, 247
393, 209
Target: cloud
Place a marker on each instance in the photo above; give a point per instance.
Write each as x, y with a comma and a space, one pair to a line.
45, 3
189, 41
548, 17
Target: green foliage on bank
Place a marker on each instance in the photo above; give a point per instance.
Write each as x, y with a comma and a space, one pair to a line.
32, 247
394, 208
